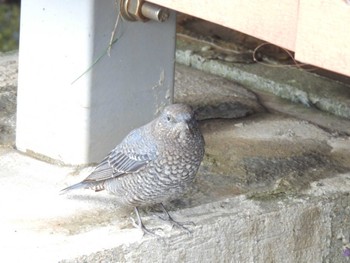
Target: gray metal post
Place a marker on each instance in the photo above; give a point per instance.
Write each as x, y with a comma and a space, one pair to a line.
79, 121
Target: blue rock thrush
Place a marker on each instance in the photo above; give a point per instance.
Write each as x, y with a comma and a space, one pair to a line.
153, 164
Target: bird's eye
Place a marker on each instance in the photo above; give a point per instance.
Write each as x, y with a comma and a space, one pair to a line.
168, 118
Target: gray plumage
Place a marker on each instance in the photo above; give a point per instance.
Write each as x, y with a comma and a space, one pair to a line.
154, 163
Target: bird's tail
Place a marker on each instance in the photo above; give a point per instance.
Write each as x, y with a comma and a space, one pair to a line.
80, 185
83, 185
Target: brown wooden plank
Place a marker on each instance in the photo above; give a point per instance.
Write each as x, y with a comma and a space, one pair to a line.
324, 34
274, 21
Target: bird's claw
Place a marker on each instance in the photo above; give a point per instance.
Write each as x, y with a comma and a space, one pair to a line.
180, 225
144, 229
175, 223
141, 226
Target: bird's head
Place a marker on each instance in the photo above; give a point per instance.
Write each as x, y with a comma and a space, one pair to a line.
177, 120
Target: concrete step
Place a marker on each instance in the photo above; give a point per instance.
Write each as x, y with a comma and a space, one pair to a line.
273, 187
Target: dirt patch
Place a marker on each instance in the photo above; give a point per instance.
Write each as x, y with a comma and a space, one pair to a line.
257, 156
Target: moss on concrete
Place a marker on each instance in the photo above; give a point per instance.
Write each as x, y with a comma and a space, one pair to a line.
287, 82
9, 27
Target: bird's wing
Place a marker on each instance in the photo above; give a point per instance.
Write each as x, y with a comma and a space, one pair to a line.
133, 153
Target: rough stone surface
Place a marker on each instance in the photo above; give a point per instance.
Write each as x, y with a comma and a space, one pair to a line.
8, 94
327, 121
299, 214
212, 96
272, 148
272, 188
231, 232
287, 82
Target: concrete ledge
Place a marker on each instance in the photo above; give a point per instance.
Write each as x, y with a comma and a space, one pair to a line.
44, 227
286, 82
272, 188
243, 230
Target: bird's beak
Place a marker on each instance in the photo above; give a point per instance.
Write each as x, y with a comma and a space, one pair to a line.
189, 127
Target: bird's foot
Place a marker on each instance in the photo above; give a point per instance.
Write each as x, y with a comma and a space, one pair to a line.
144, 229
139, 224
175, 223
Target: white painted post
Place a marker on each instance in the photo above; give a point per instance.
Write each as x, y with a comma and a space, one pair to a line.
80, 122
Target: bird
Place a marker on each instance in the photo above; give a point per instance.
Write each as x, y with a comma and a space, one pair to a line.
153, 164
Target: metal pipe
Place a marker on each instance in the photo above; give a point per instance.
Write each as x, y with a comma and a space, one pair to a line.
154, 12
139, 10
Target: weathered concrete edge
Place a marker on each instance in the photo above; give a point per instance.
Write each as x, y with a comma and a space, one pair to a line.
286, 87
309, 228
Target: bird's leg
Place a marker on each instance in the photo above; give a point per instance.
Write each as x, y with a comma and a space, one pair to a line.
140, 224
175, 223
